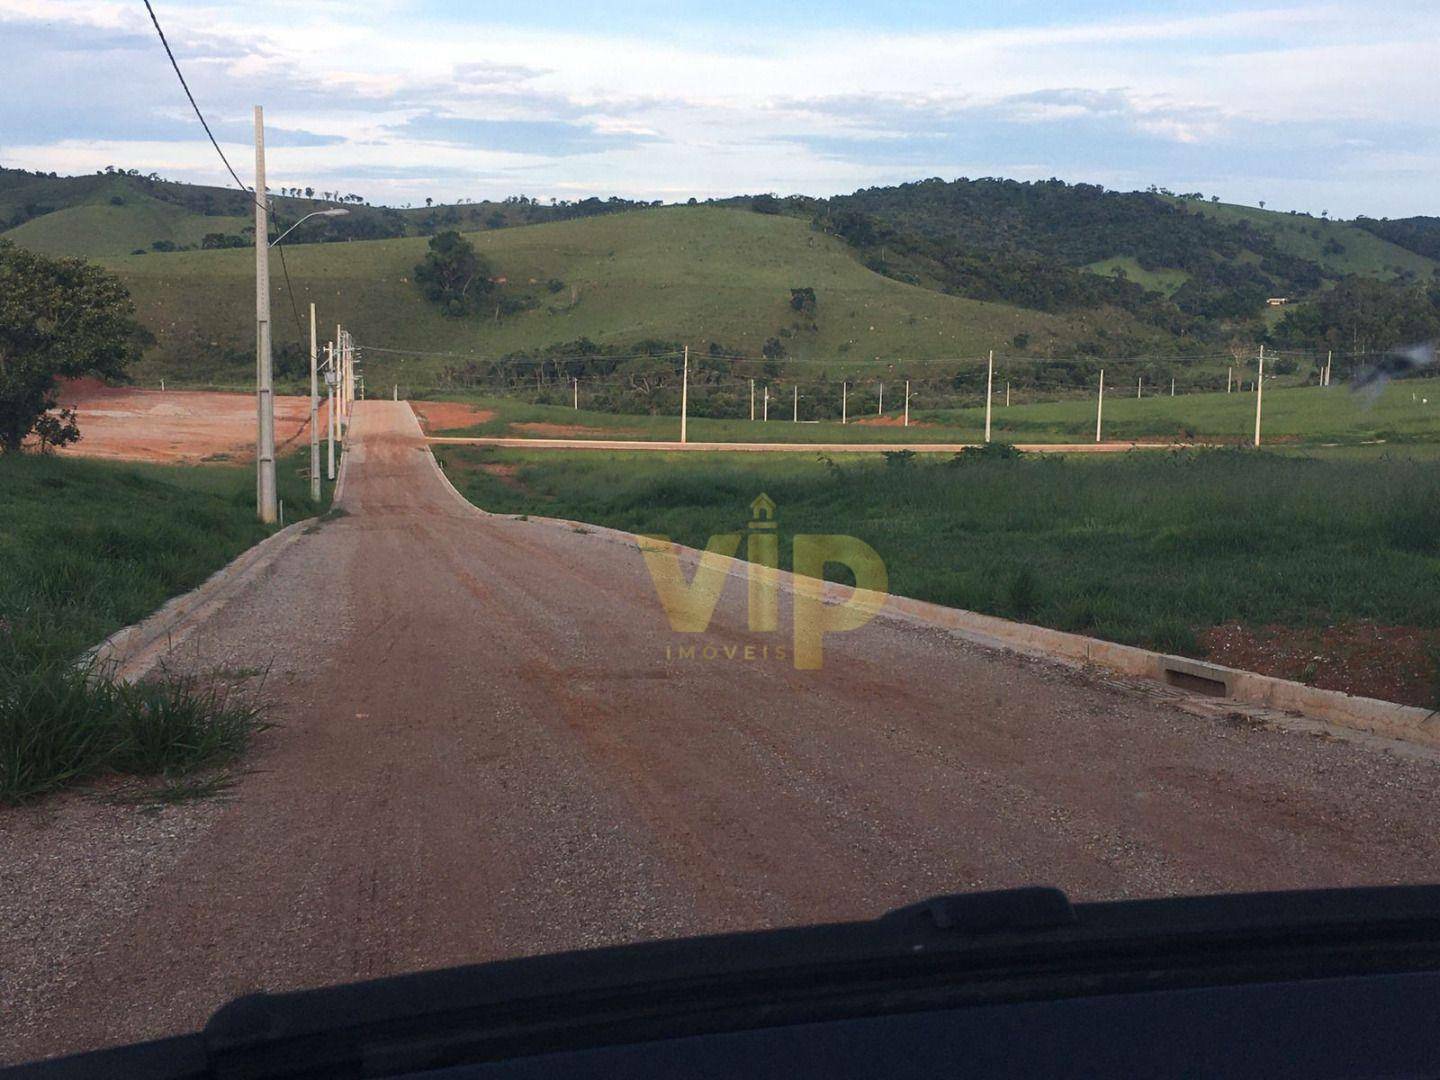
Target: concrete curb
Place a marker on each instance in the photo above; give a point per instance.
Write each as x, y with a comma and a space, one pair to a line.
507, 443
132, 652
1371, 715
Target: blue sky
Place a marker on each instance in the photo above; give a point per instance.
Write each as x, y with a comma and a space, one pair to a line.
1311, 106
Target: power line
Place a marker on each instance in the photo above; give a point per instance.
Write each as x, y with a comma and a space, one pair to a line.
255, 197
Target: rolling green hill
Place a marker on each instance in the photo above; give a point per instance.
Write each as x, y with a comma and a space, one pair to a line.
695, 274
1341, 247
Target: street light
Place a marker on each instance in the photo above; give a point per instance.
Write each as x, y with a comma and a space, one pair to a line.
265, 495
335, 212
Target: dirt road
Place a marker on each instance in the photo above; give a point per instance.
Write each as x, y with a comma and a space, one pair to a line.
508, 443
485, 751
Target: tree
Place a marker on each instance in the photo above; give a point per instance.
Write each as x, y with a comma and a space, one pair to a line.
453, 275
59, 319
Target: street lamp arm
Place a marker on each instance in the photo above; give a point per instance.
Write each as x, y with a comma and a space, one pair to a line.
335, 212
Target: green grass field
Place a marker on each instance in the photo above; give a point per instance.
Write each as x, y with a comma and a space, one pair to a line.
1146, 548
89, 547
696, 274
1407, 411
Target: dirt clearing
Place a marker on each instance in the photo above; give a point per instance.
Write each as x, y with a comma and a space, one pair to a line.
175, 426
449, 415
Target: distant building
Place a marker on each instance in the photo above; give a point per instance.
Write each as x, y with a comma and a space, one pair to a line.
1278, 301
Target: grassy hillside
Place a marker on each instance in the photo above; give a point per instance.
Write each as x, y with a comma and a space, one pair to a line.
694, 274
1316, 240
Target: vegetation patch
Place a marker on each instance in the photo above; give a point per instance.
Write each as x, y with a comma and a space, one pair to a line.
1150, 549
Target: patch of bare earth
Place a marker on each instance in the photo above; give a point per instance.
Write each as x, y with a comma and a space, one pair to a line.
174, 426
888, 421
568, 431
1392, 663
449, 415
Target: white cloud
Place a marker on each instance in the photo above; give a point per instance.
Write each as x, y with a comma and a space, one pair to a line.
722, 115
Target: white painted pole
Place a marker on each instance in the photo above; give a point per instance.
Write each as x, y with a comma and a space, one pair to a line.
795, 416
752, 400
162, 386
685, 395
766, 414
844, 401
575, 384
314, 415
1139, 383
1329, 359
989, 394
1100, 405
264, 389
880, 406
395, 392
1172, 385
330, 410
1007, 393
907, 402
1229, 378
1259, 392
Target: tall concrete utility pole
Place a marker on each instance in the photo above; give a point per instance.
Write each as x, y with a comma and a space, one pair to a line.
989, 392
684, 395
314, 416
1259, 392
1100, 405
265, 505
330, 421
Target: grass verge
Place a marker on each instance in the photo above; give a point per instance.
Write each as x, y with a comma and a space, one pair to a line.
89, 547
1142, 548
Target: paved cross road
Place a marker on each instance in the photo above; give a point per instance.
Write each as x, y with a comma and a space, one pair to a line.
484, 751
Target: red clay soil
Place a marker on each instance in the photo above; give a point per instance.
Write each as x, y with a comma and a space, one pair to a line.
568, 431
1393, 663
888, 421
174, 426
449, 415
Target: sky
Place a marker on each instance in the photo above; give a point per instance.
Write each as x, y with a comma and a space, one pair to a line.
1310, 106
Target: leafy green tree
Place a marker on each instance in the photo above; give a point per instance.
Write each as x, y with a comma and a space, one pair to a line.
59, 318
453, 275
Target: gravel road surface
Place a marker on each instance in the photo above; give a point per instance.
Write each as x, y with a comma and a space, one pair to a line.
484, 750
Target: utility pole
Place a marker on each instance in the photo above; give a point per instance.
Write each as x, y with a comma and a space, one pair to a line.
844, 401
752, 401
1259, 392
795, 416
684, 394
265, 505
575, 383
330, 377
314, 417
907, 402
1100, 405
767, 404
989, 393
